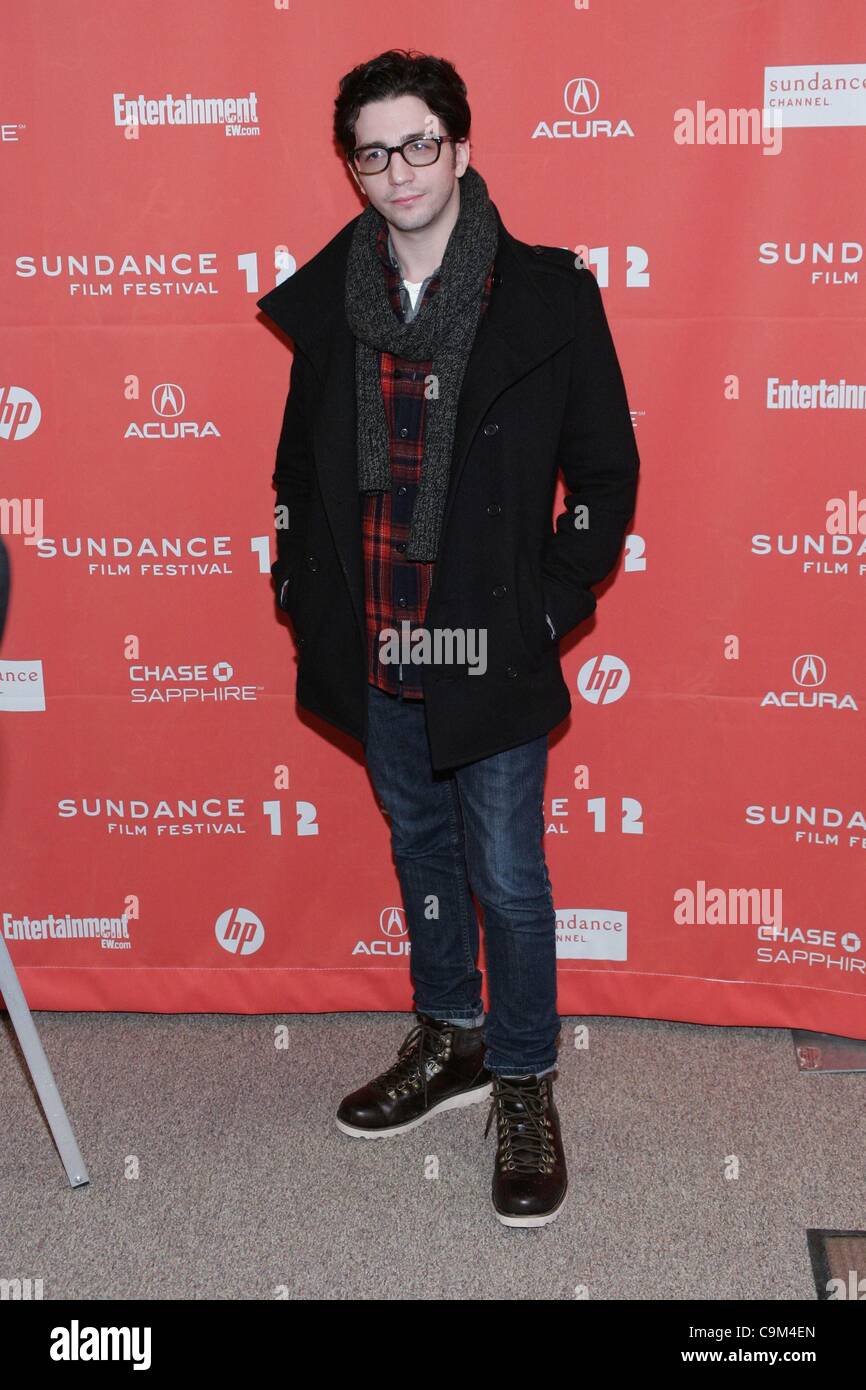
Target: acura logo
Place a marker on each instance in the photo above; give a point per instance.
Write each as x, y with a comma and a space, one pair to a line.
809, 670
581, 96
392, 921
168, 400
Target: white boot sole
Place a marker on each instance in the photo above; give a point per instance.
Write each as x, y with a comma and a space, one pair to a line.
457, 1102
543, 1219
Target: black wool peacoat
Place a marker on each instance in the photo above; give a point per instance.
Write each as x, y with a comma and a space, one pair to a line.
542, 392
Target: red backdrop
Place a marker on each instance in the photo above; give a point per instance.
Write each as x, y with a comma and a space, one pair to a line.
153, 760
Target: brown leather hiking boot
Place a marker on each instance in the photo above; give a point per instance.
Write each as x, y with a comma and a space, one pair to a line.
530, 1179
439, 1067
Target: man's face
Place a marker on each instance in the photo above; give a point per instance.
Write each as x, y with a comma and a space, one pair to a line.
428, 189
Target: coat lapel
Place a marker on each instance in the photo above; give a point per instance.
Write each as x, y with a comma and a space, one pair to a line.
520, 329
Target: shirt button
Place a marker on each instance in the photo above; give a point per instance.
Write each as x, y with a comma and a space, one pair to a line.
400, 491
404, 432
511, 670
490, 428
401, 602
400, 545
500, 591
494, 509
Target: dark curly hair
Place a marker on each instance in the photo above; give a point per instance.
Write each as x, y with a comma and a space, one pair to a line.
402, 72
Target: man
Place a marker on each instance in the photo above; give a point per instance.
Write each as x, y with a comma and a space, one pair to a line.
443, 373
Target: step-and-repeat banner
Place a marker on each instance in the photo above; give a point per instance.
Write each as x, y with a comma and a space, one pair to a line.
176, 834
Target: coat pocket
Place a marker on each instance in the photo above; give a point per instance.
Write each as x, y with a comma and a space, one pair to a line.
530, 610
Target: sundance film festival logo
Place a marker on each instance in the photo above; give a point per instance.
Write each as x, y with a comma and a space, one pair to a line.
828, 261
814, 825
239, 931
144, 275
581, 99
20, 412
809, 673
168, 403
393, 939
137, 817
161, 557
603, 679
831, 552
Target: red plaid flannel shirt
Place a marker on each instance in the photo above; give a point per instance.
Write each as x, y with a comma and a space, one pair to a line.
396, 589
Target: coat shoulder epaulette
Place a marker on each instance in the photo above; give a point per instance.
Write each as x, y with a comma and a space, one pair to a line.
559, 257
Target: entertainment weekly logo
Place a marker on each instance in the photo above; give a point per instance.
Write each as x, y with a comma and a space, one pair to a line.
819, 94
815, 395
237, 115
110, 933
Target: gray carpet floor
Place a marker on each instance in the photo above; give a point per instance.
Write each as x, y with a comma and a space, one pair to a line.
216, 1170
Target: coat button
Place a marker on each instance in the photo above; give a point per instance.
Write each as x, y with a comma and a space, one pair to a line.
511, 670
490, 428
494, 509
312, 562
500, 591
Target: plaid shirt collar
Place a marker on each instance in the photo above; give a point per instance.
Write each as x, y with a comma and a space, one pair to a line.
388, 257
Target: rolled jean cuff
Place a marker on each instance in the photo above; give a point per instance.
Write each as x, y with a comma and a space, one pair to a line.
521, 1071
467, 1022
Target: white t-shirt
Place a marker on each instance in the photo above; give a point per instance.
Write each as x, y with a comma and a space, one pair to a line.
414, 290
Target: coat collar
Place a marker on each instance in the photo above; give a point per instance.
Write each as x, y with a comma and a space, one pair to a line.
529, 317
309, 305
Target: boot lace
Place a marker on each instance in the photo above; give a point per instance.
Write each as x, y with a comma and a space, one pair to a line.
525, 1135
417, 1060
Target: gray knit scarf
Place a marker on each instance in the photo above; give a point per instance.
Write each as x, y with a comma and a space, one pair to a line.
443, 331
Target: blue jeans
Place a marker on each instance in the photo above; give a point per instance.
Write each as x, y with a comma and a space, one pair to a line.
481, 827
